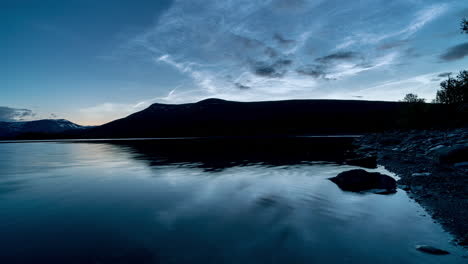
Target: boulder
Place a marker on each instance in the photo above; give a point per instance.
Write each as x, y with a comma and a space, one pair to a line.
451, 155
431, 250
361, 180
461, 165
369, 161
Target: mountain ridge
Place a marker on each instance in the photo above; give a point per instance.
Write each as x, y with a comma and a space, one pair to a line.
43, 126
218, 117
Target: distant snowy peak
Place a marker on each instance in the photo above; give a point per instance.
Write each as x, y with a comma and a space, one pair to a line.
46, 126
66, 124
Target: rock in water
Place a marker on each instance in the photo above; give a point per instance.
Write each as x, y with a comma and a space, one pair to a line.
431, 250
361, 180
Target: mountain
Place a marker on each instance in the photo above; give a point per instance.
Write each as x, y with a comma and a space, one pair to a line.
216, 117
46, 126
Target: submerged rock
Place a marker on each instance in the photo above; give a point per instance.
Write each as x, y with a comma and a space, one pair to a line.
361, 180
369, 161
431, 250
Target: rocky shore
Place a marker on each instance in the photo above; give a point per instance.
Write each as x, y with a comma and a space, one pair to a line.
433, 169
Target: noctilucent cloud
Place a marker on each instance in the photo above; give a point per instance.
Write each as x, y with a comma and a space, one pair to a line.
95, 61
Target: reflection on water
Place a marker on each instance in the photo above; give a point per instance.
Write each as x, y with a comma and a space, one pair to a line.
193, 202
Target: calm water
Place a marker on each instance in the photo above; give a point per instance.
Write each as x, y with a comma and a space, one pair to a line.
121, 203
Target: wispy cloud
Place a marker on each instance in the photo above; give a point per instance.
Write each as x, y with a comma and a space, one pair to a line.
278, 49
105, 112
202, 79
374, 34
424, 85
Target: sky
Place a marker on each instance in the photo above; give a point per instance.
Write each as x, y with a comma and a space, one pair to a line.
95, 61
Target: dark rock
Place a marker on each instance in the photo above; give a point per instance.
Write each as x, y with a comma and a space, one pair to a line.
369, 161
404, 187
461, 164
382, 191
361, 180
451, 155
431, 250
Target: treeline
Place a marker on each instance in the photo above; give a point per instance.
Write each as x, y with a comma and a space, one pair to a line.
451, 101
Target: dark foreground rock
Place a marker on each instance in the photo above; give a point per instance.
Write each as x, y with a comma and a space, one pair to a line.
451, 155
431, 167
431, 250
361, 180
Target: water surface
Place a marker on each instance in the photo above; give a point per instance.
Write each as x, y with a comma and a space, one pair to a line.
140, 203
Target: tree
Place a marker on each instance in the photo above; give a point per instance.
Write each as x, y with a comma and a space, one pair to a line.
413, 98
454, 90
464, 26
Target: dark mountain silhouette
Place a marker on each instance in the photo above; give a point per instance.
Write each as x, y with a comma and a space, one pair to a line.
216, 117
46, 126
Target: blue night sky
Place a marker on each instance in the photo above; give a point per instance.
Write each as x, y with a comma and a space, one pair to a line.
95, 61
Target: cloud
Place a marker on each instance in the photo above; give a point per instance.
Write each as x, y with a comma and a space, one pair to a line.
392, 44
281, 40
202, 78
444, 74
411, 18
282, 47
455, 53
395, 90
419, 20
277, 69
422, 18
315, 71
339, 56
242, 86
269, 71
342, 64
8, 114
108, 111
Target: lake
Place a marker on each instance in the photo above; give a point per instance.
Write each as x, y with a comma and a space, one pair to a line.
189, 201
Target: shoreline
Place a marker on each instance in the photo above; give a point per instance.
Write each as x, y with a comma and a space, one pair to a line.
85, 140
430, 170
